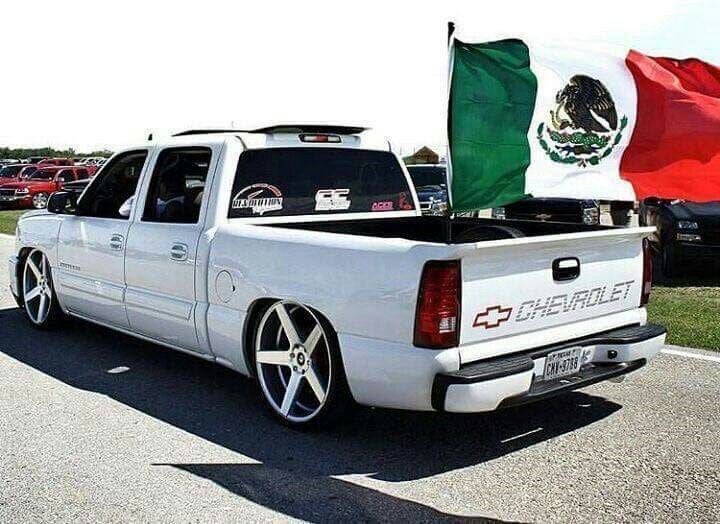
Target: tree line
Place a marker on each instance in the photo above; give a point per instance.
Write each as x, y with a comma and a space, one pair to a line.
49, 152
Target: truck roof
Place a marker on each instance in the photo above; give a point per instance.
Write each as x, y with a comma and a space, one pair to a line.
285, 135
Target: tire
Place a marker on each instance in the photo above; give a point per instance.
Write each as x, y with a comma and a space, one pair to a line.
299, 370
488, 232
38, 293
39, 200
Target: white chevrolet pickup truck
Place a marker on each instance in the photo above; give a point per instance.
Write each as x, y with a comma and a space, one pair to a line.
298, 256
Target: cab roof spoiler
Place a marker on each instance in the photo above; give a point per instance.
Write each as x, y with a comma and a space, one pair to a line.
286, 129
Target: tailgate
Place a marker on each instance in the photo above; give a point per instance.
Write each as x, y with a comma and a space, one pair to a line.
511, 287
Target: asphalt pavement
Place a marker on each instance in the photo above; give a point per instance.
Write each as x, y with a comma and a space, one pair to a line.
100, 427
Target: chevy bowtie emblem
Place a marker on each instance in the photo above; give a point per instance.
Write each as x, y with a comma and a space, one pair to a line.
543, 216
492, 317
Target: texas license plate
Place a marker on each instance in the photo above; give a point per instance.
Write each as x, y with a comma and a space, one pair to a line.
562, 363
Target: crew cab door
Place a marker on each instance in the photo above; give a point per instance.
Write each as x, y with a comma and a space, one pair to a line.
91, 244
161, 266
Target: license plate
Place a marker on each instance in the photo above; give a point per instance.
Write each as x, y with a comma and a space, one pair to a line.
562, 363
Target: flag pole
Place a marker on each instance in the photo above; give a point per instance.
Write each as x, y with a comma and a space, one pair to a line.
448, 162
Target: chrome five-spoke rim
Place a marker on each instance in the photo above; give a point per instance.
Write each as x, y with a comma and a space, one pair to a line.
293, 361
37, 287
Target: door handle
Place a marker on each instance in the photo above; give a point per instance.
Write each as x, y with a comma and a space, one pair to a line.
116, 242
179, 252
566, 269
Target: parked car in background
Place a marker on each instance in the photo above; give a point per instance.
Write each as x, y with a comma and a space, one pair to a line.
91, 161
11, 173
34, 190
551, 210
8, 161
55, 162
685, 232
34, 159
430, 181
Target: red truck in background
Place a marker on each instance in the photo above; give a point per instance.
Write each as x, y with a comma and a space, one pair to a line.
34, 190
55, 162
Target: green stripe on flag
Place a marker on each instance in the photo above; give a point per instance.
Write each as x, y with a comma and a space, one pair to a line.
492, 97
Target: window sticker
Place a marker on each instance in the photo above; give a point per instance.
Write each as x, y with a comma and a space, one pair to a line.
259, 199
386, 205
332, 200
405, 201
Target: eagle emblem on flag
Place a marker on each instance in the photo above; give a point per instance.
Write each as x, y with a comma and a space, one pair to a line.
583, 127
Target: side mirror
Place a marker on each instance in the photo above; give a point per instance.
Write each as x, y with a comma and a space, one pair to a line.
62, 203
126, 208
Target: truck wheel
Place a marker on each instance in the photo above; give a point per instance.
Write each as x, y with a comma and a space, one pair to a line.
39, 200
298, 366
38, 295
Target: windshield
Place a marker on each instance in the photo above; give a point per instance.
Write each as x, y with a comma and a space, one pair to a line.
10, 171
304, 181
42, 174
427, 175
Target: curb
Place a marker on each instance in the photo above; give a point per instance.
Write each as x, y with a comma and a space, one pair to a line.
6, 236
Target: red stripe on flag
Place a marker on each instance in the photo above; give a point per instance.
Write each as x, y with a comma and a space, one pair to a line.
674, 151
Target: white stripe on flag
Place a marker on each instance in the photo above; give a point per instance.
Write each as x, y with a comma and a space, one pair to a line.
553, 68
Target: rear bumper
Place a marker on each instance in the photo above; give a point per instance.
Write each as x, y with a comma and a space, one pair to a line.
517, 379
13, 201
392, 375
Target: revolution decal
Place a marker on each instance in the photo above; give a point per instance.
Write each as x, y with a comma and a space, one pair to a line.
258, 199
332, 200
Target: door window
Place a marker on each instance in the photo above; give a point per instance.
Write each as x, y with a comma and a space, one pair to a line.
65, 176
177, 185
117, 182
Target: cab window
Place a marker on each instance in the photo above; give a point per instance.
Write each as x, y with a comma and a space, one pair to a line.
177, 185
315, 181
114, 185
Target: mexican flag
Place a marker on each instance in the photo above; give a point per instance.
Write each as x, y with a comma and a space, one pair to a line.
549, 121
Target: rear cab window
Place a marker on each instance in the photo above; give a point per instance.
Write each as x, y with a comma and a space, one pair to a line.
293, 181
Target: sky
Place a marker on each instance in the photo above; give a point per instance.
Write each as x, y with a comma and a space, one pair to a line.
104, 74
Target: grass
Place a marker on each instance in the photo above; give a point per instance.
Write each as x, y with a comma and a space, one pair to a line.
8, 219
689, 308
690, 314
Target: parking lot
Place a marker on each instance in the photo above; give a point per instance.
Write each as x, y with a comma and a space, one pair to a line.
97, 426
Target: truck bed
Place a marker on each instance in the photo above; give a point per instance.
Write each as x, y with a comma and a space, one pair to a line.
440, 229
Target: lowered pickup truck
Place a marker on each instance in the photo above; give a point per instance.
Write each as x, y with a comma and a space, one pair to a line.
298, 256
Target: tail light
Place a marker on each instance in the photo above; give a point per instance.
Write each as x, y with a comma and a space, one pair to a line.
437, 319
327, 139
647, 273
